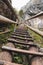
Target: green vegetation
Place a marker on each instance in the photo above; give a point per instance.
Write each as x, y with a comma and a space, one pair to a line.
21, 13
3, 37
37, 38
17, 58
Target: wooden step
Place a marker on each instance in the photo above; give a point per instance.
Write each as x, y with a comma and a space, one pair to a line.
15, 41
21, 51
21, 33
19, 30
7, 63
29, 43
17, 37
27, 36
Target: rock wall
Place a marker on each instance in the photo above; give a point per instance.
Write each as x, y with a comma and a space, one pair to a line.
6, 11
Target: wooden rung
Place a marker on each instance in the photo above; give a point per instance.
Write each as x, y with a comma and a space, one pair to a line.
20, 33
29, 43
7, 63
23, 36
15, 41
21, 30
22, 51
17, 37
23, 33
6, 31
14, 34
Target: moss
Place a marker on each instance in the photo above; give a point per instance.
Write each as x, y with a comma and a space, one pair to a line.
4, 37
17, 58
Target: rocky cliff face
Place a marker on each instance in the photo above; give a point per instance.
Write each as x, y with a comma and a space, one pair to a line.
36, 1
33, 7
10, 1
6, 10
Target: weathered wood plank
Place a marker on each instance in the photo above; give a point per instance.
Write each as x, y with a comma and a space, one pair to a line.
35, 30
16, 41
21, 35
29, 43
6, 31
22, 51
7, 63
17, 37
6, 20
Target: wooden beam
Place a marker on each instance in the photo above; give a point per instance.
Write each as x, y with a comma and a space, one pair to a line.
22, 51
6, 20
6, 31
21, 35
35, 30
17, 37
7, 63
28, 43
35, 16
15, 41
23, 43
